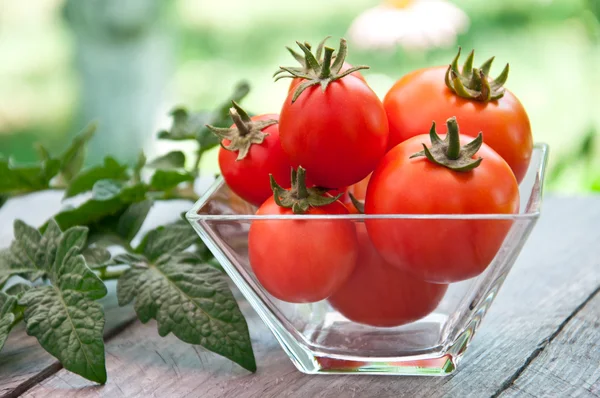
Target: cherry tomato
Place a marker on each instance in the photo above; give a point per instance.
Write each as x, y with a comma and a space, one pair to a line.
440, 250
379, 294
302, 261
249, 177
422, 96
339, 135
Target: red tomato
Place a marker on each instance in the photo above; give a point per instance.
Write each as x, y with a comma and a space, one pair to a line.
379, 294
249, 177
440, 250
422, 96
334, 364
345, 67
339, 135
302, 261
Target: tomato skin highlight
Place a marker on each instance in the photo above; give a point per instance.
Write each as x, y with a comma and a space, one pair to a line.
379, 294
345, 67
437, 250
421, 97
249, 177
302, 261
338, 135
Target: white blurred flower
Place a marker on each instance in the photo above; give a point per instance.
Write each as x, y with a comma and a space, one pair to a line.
411, 24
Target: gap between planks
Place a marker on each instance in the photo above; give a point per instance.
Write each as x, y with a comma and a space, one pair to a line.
513, 378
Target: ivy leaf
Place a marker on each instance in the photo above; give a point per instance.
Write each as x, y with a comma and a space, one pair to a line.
71, 161
109, 198
85, 180
64, 317
190, 299
172, 160
165, 180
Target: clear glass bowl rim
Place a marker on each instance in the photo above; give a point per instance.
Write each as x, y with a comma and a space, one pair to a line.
192, 214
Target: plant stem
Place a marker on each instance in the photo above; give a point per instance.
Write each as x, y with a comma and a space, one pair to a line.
196, 168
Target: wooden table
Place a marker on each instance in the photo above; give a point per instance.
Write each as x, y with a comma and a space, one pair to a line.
540, 338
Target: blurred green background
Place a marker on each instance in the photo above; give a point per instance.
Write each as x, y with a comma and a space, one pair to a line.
127, 63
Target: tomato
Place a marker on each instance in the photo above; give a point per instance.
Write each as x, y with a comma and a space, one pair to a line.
333, 364
422, 96
334, 126
338, 135
249, 177
302, 261
379, 294
440, 250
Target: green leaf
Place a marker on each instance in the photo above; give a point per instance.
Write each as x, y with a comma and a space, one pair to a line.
96, 257
109, 198
190, 299
19, 180
164, 180
173, 238
71, 161
131, 220
64, 317
7, 317
185, 126
172, 160
85, 180
18, 290
20, 258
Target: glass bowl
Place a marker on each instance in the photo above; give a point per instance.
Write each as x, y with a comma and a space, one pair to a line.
319, 339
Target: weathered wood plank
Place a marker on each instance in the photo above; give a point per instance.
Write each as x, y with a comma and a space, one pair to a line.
557, 271
569, 366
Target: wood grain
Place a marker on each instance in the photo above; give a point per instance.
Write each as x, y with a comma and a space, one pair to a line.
556, 272
569, 366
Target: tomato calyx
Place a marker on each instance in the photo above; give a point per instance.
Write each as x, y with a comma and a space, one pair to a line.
475, 83
448, 152
358, 205
245, 133
302, 60
299, 197
318, 71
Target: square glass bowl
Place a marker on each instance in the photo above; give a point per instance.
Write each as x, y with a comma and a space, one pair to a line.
319, 339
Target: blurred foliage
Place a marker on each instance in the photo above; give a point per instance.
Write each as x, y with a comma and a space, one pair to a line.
544, 41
